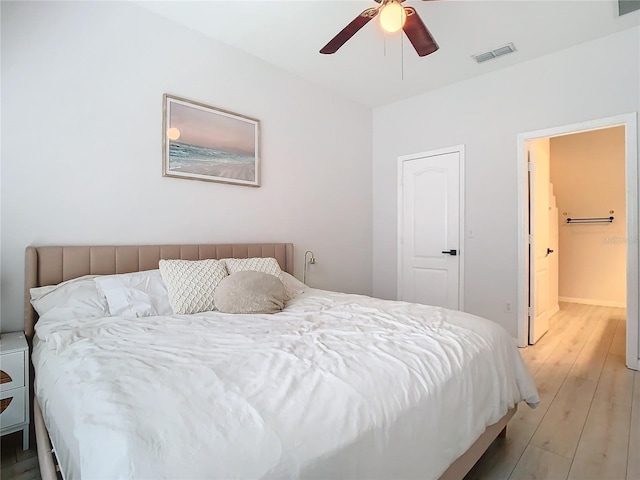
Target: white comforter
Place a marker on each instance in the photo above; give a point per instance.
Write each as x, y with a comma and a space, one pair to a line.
335, 386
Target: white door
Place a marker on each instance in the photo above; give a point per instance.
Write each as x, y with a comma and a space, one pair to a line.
429, 214
540, 246
554, 244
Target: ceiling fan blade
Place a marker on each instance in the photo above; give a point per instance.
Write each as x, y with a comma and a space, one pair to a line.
349, 31
418, 34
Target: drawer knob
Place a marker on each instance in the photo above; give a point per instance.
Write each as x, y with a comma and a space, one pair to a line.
4, 377
4, 403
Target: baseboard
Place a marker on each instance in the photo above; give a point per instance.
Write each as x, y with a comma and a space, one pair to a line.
555, 309
593, 301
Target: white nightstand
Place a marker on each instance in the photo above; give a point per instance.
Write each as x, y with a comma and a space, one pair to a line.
14, 385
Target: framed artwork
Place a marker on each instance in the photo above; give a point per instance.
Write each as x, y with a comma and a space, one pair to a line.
201, 142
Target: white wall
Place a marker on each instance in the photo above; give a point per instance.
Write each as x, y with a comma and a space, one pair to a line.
592, 80
82, 86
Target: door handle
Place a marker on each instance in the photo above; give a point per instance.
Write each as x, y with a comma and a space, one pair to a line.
450, 252
549, 251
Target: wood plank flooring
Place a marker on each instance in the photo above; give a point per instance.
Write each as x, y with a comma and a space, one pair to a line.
587, 426
18, 464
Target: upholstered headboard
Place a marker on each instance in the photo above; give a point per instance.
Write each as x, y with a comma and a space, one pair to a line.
49, 265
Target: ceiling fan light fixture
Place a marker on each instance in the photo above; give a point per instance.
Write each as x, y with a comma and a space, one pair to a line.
392, 17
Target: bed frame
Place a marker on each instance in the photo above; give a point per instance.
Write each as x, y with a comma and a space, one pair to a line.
50, 265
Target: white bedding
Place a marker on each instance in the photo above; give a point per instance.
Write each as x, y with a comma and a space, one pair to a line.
334, 386
53, 386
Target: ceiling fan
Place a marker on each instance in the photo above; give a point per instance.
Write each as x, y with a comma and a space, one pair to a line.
393, 17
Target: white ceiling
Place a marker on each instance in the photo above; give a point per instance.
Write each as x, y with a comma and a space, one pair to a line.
372, 69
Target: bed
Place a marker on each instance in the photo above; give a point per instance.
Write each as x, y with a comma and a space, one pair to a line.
333, 386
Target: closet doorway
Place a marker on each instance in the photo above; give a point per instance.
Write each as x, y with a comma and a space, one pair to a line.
578, 224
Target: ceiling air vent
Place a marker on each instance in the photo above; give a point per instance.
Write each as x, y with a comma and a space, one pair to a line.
627, 6
498, 52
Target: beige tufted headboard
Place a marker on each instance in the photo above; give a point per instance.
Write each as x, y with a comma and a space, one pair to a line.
49, 265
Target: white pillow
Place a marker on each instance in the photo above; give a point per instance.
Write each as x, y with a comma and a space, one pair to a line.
78, 294
192, 283
292, 284
136, 294
266, 265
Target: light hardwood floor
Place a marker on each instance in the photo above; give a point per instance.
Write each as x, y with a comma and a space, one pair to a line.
587, 426
18, 464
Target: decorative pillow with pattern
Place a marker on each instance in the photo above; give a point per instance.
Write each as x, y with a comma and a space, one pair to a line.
192, 283
266, 265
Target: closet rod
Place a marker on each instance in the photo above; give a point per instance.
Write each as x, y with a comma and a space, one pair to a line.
590, 220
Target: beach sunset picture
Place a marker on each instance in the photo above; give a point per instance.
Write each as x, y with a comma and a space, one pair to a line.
205, 143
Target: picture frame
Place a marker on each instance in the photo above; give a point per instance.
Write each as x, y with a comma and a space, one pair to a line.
201, 142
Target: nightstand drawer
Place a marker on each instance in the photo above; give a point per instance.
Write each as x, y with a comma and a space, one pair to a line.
12, 371
12, 406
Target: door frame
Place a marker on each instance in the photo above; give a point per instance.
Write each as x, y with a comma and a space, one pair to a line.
629, 121
461, 230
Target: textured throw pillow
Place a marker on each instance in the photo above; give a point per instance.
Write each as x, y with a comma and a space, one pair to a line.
191, 283
250, 291
266, 265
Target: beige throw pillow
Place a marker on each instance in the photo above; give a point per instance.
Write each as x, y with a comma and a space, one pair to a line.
257, 264
192, 283
250, 292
